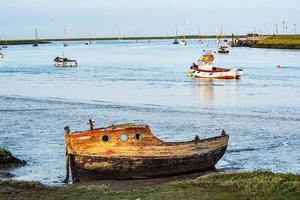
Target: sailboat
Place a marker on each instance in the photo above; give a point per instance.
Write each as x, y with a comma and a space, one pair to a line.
199, 37
223, 48
89, 42
218, 38
36, 38
183, 41
64, 44
176, 40
4, 45
1, 54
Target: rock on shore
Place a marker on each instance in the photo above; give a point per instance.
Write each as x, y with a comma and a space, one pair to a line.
8, 160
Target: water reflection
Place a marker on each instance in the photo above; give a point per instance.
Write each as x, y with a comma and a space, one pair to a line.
210, 91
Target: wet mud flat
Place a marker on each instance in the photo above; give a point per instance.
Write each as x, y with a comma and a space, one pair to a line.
140, 184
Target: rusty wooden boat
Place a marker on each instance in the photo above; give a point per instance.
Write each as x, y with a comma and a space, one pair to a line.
129, 151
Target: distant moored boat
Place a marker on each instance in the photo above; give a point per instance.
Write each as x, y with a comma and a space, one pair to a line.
64, 62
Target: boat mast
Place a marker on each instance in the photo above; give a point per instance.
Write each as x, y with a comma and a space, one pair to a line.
90, 38
184, 28
36, 35
135, 35
64, 41
176, 31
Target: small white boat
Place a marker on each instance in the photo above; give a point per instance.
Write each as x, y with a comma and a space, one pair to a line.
223, 49
1, 55
183, 42
64, 44
204, 68
64, 62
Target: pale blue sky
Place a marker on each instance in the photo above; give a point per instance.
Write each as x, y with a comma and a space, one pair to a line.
19, 18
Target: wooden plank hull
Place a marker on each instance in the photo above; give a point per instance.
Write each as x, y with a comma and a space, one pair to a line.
139, 167
106, 154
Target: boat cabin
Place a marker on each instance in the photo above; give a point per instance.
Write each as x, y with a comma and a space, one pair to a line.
110, 140
205, 62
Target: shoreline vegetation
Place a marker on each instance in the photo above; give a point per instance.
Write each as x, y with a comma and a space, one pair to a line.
270, 42
264, 41
49, 40
247, 185
279, 42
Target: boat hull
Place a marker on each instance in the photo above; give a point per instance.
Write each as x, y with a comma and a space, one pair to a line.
128, 151
65, 64
140, 167
218, 74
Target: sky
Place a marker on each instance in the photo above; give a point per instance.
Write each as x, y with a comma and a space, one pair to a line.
105, 18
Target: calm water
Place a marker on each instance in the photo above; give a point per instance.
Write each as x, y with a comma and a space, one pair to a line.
119, 82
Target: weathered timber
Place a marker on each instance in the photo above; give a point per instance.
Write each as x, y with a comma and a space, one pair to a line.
132, 151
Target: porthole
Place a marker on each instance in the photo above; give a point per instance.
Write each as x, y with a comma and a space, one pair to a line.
138, 136
123, 137
105, 138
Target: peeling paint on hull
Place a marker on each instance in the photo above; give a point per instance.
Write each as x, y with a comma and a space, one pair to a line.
130, 168
101, 153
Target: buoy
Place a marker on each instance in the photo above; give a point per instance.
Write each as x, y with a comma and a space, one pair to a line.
189, 74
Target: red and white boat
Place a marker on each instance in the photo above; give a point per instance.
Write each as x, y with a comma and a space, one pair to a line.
204, 68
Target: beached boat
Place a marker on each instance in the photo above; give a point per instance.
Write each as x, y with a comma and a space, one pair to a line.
64, 62
204, 68
132, 151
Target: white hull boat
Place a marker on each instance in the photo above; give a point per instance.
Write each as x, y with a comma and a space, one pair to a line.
204, 69
64, 62
218, 73
183, 42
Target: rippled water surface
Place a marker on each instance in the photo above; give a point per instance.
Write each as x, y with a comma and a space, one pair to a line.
119, 82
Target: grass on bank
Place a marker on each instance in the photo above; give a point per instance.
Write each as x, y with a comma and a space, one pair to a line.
254, 185
282, 42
